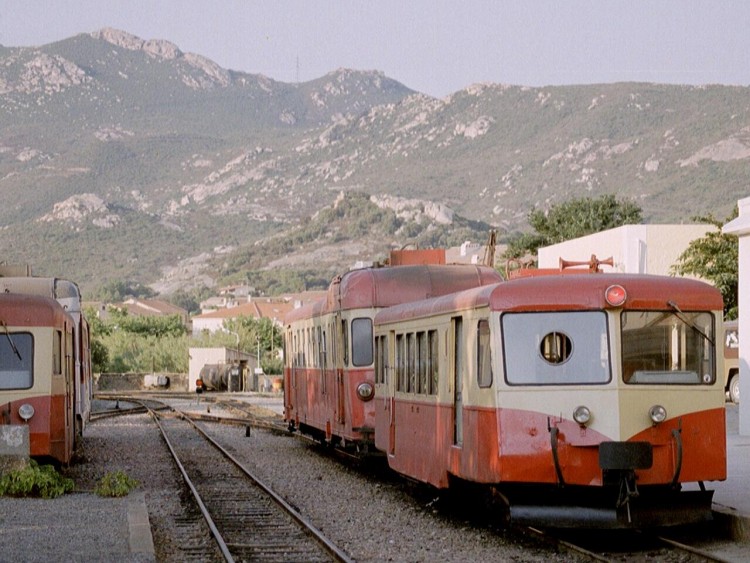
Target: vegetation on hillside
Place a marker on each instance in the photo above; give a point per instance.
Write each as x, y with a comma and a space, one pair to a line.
353, 219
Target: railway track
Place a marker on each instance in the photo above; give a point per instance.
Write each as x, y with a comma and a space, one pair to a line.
606, 547
625, 546
247, 520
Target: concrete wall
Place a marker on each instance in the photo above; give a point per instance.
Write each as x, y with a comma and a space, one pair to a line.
139, 381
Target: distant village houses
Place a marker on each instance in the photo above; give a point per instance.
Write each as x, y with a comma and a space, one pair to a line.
136, 307
242, 305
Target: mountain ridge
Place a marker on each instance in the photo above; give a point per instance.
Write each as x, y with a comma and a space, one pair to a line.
145, 156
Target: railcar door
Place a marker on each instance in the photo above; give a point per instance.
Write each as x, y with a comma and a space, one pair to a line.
457, 367
396, 383
70, 381
338, 368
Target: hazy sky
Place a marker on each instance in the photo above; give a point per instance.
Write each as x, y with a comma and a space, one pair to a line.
433, 46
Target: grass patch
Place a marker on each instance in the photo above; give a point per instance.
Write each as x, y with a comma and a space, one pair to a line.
115, 484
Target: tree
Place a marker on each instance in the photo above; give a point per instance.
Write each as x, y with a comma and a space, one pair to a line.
118, 290
715, 258
572, 219
253, 334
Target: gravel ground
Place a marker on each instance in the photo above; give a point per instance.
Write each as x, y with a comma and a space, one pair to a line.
370, 516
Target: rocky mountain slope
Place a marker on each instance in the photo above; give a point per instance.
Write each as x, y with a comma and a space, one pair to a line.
124, 158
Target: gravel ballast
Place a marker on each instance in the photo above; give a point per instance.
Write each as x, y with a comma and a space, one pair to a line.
371, 518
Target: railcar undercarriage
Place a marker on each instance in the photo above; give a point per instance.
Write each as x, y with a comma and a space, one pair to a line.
620, 506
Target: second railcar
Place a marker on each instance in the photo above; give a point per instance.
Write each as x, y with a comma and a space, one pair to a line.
328, 372
591, 400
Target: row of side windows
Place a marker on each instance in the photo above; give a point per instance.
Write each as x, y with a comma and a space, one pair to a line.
312, 348
416, 358
416, 361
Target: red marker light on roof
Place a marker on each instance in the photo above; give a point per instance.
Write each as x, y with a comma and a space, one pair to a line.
615, 295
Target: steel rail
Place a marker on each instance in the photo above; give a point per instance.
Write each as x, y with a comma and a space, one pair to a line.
313, 531
206, 515
690, 549
333, 550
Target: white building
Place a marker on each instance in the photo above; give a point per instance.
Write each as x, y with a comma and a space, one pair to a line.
635, 249
199, 357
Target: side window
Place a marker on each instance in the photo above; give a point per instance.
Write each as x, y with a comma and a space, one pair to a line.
345, 340
433, 364
362, 342
57, 353
411, 353
380, 347
309, 346
400, 363
484, 362
422, 363
323, 347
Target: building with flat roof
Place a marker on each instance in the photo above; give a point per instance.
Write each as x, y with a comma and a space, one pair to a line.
634, 249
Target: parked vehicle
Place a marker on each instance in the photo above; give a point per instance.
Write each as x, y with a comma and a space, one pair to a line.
328, 372
581, 401
37, 376
732, 361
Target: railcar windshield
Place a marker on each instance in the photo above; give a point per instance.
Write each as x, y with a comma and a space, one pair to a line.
668, 347
362, 340
556, 348
16, 357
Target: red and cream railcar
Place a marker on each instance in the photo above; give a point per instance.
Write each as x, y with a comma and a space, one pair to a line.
582, 400
328, 372
37, 377
68, 295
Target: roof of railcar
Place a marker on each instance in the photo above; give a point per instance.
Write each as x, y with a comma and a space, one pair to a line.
21, 310
564, 292
51, 287
385, 287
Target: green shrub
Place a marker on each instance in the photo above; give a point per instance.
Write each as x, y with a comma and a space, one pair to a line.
35, 480
115, 484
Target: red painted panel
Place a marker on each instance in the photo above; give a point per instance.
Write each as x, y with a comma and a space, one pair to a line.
423, 435
644, 292
522, 451
307, 403
704, 454
48, 433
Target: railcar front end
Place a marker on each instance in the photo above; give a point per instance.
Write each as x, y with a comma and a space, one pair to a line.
594, 401
36, 378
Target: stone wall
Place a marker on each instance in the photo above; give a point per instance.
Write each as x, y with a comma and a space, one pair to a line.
140, 381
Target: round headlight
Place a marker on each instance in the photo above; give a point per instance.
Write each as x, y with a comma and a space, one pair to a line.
26, 411
657, 413
365, 391
582, 415
615, 295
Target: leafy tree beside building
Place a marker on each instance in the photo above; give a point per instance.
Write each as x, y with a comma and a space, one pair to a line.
715, 258
572, 219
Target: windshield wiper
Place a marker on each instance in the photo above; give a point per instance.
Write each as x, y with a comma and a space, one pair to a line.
10, 340
680, 315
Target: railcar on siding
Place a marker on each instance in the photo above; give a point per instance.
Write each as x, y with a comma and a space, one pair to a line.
37, 376
68, 295
328, 372
593, 400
